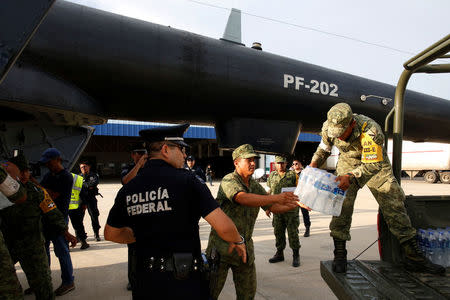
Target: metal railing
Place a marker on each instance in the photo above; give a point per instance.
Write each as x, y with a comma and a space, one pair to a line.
417, 64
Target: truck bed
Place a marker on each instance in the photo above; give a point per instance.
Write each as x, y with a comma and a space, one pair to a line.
384, 280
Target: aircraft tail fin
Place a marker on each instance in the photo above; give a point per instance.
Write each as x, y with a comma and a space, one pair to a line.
233, 30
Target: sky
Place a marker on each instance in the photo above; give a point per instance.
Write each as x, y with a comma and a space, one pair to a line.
371, 39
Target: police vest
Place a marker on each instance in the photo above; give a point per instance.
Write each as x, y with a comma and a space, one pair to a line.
76, 189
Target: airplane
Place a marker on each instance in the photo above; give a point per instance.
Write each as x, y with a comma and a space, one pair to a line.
84, 66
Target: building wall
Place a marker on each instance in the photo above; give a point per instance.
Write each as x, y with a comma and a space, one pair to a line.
110, 153
108, 149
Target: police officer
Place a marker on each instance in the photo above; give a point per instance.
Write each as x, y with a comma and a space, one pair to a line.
208, 174
363, 160
190, 166
76, 211
11, 191
240, 197
139, 156
159, 210
290, 220
88, 195
23, 226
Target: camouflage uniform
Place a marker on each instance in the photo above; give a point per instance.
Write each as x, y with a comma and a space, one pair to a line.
364, 156
289, 220
244, 217
10, 288
22, 228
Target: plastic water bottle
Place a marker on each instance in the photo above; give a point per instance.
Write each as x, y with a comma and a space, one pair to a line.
328, 194
421, 235
338, 197
313, 192
440, 247
320, 186
306, 191
318, 190
328, 207
436, 250
302, 188
447, 248
426, 245
424, 240
338, 200
433, 245
301, 181
326, 190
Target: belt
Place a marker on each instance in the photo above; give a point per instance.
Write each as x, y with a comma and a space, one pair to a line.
166, 264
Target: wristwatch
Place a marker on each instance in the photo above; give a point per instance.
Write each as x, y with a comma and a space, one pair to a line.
241, 242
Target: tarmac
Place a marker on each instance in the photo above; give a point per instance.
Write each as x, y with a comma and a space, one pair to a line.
101, 270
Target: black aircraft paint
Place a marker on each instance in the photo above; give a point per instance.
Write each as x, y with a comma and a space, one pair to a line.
84, 66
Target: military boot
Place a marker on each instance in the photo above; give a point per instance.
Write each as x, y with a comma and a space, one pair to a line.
340, 256
295, 258
306, 232
97, 236
415, 260
279, 256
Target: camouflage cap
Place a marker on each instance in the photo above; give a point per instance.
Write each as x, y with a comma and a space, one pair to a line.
280, 159
20, 161
244, 151
339, 117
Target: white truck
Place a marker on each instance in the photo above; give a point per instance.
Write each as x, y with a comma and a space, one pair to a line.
430, 160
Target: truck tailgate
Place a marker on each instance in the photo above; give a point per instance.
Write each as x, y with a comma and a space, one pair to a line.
383, 280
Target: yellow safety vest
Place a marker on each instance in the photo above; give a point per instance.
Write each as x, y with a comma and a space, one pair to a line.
76, 189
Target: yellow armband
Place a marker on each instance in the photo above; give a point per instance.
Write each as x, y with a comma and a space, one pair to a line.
47, 204
371, 151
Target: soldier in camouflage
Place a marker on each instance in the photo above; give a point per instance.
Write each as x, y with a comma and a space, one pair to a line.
23, 226
240, 197
363, 160
11, 191
10, 288
289, 220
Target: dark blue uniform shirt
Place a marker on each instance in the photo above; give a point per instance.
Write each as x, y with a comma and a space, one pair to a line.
163, 206
61, 183
126, 170
198, 172
89, 189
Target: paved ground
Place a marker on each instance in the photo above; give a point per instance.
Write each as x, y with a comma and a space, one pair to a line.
101, 271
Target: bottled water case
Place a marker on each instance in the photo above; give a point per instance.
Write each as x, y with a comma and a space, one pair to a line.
317, 189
